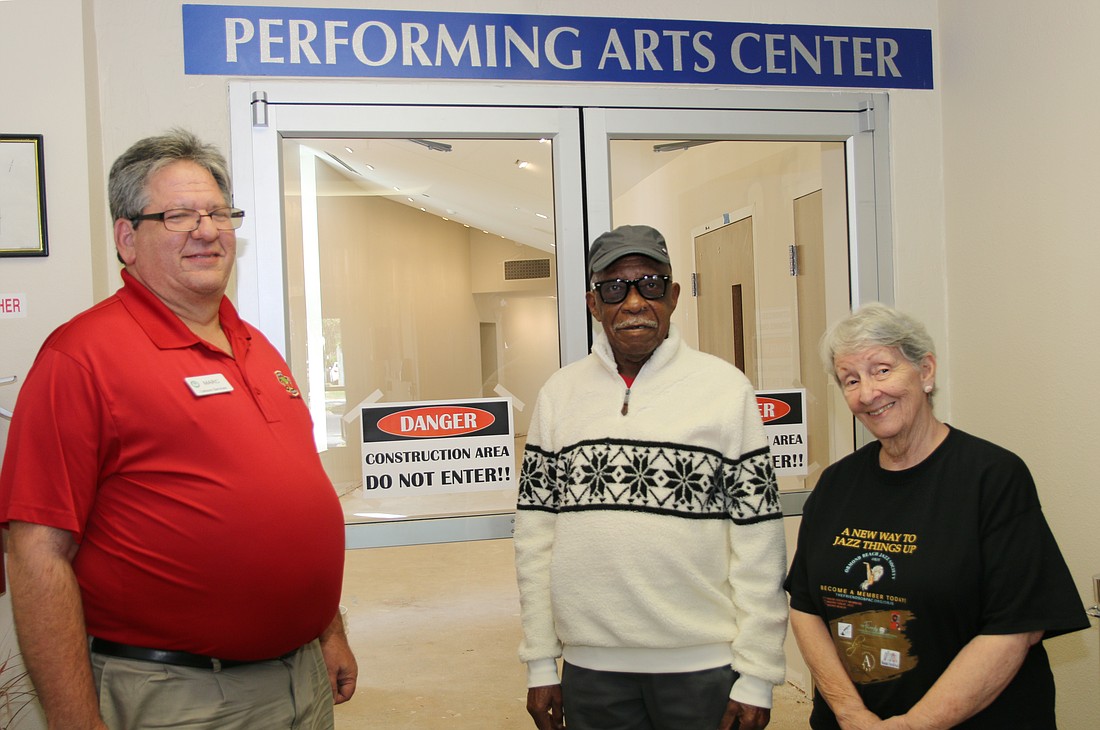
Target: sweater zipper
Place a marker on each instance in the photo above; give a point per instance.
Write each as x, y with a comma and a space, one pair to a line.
626, 402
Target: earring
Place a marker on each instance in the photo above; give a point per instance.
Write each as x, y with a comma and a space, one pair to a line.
928, 389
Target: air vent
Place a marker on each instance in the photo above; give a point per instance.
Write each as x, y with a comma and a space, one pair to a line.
527, 269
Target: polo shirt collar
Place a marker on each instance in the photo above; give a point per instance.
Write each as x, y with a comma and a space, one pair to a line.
162, 326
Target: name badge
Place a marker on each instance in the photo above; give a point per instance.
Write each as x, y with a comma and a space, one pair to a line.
213, 384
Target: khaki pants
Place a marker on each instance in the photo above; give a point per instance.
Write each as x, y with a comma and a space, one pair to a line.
282, 694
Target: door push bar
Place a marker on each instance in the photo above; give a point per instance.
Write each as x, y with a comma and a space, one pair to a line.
4, 380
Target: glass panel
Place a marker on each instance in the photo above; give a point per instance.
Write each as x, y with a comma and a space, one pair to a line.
417, 270
764, 227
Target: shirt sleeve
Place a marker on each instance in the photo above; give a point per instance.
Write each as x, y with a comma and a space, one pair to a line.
1026, 583
536, 513
60, 436
758, 556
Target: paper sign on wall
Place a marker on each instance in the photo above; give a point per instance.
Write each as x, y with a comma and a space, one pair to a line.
784, 416
437, 447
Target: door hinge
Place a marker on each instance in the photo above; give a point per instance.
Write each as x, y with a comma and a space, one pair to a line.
867, 119
694, 284
792, 259
259, 108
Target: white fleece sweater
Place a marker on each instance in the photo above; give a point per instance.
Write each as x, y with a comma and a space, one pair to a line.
651, 541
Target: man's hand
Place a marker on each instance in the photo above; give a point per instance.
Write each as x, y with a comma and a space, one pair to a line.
340, 662
544, 706
745, 717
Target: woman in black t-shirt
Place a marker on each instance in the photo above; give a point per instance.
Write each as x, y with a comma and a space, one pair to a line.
925, 575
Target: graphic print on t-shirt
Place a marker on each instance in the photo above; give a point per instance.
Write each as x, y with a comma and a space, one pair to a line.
873, 644
869, 630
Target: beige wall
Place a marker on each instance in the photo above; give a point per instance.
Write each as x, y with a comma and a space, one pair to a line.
43, 92
1020, 87
991, 173
409, 348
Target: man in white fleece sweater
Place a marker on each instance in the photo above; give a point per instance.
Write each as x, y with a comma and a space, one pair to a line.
649, 541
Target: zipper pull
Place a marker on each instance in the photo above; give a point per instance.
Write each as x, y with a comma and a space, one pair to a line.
626, 402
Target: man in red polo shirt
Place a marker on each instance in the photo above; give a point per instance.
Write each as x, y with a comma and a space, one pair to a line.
176, 549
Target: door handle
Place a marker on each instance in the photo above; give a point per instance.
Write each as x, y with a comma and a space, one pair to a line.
4, 380
1094, 610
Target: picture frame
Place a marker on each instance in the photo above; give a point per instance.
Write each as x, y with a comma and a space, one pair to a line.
22, 196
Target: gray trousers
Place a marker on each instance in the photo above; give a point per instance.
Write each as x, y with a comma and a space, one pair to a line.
281, 694
595, 700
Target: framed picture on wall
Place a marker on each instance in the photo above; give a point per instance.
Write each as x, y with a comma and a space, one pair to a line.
22, 196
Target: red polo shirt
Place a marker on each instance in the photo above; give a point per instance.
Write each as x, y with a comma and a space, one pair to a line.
205, 520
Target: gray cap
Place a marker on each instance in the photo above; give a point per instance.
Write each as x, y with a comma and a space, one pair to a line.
624, 241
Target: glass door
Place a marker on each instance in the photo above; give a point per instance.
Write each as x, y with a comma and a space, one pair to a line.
415, 252
421, 257
763, 237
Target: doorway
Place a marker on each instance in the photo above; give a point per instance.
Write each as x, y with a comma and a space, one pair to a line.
616, 161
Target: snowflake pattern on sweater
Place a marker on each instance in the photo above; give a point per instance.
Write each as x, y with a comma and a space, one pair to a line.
650, 477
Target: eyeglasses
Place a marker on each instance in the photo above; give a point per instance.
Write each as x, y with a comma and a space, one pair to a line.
185, 220
614, 291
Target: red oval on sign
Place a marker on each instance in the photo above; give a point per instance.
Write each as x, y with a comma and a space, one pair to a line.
435, 421
771, 409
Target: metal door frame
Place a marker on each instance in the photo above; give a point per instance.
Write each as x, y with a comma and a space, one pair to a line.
261, 111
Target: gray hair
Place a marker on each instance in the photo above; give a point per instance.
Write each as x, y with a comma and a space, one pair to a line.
876, 325
127, 184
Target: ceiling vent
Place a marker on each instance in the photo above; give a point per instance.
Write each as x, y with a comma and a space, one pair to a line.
527, 269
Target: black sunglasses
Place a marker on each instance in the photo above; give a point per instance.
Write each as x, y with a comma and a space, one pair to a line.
614, 291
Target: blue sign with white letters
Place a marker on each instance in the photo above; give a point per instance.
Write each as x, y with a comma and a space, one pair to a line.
345, 42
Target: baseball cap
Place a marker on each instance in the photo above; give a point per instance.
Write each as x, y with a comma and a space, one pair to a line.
624, 241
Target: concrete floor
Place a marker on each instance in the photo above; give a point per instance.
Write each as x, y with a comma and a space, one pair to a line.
435, 629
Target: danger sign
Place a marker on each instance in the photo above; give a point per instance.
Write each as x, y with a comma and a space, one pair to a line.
437, 447
784, 416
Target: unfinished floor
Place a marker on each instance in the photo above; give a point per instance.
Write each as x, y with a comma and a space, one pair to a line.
435, 629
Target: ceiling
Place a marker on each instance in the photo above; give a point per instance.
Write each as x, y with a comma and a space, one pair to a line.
478, 182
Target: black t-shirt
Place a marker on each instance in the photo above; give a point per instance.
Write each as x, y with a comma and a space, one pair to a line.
906, 567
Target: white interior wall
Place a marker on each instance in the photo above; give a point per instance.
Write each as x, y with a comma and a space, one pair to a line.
525, 312
1020, 85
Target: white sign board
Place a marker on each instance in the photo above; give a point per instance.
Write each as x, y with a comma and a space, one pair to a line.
784, 416
437, 447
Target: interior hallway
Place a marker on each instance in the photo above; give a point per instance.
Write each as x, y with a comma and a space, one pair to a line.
435, 630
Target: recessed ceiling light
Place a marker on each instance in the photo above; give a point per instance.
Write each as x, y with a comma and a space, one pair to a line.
522, 164
350, 150
543, 216
370, 167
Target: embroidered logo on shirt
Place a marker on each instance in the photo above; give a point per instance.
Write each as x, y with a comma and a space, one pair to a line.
286, 382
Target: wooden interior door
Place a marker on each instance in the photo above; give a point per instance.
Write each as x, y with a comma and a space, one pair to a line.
726, 298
